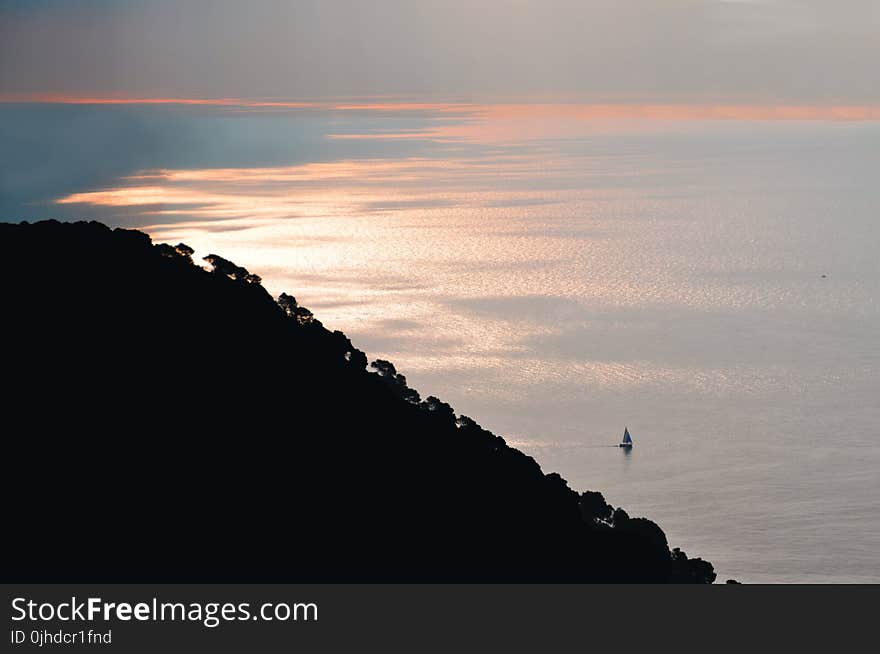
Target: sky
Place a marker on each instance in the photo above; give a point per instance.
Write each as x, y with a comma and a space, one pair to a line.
801, 52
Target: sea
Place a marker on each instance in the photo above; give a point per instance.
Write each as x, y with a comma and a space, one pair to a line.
708, 280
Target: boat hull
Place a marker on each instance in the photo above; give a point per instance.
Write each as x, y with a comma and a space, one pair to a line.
627, 446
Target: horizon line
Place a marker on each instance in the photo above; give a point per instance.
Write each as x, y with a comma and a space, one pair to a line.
574, 109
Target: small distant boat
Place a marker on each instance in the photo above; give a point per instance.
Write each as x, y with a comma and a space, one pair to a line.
627, 439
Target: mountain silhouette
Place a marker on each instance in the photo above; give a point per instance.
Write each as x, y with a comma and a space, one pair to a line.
167, 421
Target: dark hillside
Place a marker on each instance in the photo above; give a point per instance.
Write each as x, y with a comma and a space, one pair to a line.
164, 422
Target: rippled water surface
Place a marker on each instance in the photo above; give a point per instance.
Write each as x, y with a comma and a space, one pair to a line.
711, 284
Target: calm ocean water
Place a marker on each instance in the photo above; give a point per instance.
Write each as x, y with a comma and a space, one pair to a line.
712, 285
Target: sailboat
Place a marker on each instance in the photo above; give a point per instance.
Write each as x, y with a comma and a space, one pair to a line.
627, 439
